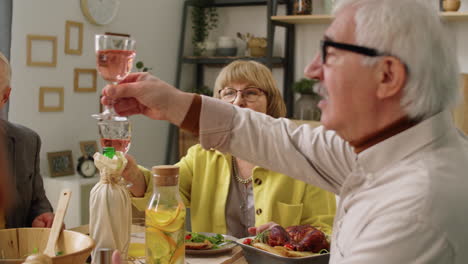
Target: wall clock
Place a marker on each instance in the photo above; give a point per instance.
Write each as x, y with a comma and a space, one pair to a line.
86, 167
100, 12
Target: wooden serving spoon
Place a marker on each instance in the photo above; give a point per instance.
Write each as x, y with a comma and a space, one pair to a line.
58, 222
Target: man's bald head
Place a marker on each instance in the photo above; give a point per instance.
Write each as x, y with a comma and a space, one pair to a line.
5, 77
5, 72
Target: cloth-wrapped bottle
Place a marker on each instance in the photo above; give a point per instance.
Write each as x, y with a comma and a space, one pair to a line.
110, 208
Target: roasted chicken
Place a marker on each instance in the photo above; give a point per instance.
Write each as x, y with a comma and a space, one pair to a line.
298, 238
307, 238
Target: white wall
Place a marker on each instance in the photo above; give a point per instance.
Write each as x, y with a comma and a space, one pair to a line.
154, 24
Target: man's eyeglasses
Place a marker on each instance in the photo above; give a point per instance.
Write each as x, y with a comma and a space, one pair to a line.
250, 94
324, 44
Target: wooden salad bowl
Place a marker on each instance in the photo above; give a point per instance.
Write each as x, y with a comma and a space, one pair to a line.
16, 244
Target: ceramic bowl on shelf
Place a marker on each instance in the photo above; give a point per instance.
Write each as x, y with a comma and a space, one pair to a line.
226, 42
451, 5
227, 46
226, 52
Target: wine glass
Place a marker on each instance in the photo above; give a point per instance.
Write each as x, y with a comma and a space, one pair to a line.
116, 134
114, 59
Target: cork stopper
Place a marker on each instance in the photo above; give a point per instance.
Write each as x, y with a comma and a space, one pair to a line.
165, 175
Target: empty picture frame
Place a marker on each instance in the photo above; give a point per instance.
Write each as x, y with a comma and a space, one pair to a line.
50, 99
41, 50
85, 80
61, 163
88, 148
73, 37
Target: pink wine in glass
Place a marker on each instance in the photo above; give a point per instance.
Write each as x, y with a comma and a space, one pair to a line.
121, 145
114, 65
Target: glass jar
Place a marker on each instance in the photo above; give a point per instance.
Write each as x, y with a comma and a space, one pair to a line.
165, 219
302, 7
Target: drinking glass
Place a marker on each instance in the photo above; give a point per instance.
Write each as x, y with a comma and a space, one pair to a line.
116, 134
114, 59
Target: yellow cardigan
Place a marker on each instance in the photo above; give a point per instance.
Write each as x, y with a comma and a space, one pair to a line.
204, 179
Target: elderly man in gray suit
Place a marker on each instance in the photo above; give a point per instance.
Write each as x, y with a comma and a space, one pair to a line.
29, 205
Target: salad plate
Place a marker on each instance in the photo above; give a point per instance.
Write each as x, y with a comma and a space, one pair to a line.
221, 245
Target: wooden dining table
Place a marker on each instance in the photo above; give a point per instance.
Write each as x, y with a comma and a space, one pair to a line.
235, 256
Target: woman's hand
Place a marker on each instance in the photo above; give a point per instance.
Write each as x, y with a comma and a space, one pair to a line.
141, 93
257, 230
135, 176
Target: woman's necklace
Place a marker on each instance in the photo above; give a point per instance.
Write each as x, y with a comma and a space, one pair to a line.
236, 173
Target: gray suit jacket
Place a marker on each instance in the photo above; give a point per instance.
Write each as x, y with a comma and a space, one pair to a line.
29, 199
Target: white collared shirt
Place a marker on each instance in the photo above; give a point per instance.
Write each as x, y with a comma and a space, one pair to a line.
403, 200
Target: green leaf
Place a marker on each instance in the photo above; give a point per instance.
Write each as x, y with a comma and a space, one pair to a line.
139, 65
305, 86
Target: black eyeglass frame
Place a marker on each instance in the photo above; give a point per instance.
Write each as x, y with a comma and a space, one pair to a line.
242, 92
324, 44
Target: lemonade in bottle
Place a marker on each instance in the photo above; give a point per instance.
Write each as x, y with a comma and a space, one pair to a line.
165, 219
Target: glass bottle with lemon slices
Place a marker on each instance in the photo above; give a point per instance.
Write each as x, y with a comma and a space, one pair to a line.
165, 219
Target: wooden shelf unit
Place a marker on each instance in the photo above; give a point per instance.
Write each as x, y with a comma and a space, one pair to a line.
221, 61
324, 19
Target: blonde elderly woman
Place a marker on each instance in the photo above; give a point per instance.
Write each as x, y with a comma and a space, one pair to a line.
228, 195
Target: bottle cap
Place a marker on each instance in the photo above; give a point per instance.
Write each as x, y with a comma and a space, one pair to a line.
165, 175
109, 152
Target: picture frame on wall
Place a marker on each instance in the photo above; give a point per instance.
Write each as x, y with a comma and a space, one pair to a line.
88, 148
60, 163
73, 37
51, 99
41, 51
85, 80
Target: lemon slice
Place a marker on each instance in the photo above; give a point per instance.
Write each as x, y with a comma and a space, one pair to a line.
178, 254
162, 218
162, 246
175, 225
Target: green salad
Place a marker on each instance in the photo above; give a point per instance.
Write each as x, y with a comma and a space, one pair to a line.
195, 237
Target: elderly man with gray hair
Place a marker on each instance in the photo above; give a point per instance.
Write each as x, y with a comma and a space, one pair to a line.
29, 205
388, 146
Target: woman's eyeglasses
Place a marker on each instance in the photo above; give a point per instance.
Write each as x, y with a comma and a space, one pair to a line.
250, 94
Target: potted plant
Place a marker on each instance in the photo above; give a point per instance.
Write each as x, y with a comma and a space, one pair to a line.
305, 108
141, 67
204, 19
204, 90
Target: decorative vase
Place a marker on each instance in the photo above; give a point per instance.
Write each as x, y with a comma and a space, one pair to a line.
258, 47
306, 108
199, 49
227, 47
210, 48
328, 6
302, 7
451, 5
